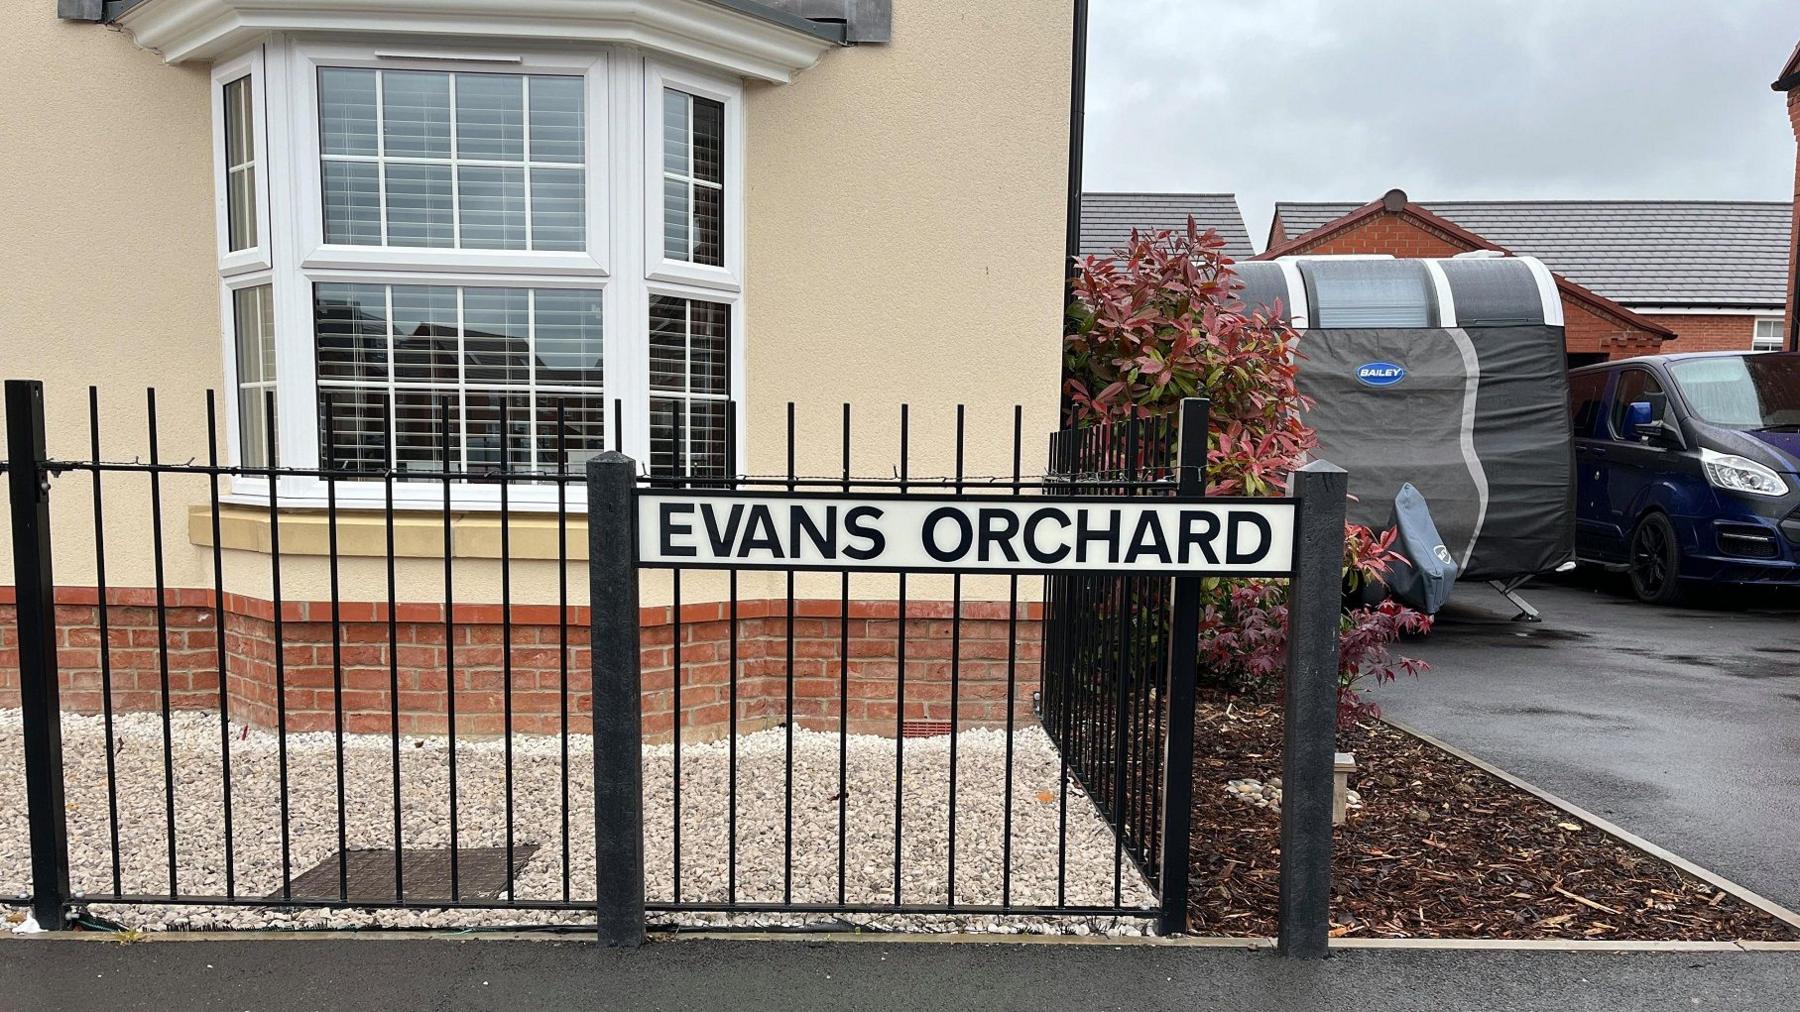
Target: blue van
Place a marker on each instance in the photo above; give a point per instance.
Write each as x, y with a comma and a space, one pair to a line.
1688, 469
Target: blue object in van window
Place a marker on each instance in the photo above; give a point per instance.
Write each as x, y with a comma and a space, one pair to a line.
1688, 469
1380, 374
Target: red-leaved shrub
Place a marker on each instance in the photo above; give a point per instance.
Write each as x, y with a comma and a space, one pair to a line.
1159, 321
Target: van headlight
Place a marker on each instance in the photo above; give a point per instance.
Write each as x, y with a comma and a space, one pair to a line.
1732, 473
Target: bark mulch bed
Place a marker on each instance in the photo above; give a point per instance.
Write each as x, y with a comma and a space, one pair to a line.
1439, 849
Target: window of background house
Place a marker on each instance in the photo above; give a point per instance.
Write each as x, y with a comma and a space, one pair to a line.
1768, 334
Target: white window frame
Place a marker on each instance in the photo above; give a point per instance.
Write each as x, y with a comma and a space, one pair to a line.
1756, 338
254, 257
624, 229
318, 254
659, 77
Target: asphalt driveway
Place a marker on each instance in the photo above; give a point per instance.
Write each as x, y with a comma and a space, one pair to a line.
1681, 725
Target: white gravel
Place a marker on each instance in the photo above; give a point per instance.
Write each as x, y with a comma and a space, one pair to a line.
537, 777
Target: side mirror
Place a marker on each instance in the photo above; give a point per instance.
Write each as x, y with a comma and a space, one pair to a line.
1647, 419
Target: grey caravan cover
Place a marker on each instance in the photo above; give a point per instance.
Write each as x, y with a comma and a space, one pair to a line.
1475, 416
1425, 572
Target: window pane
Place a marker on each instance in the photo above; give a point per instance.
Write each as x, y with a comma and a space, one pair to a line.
676, 215
495, 330
253, 317
690, 385
347, 112
490, 117
240, 208
493, 207
558, 209
581, 436
253, 310
419, 436
352, 203
569, 347
557, 130
353, 435
415, 108
676, 133
693, 179
351, 332
488, 432
240, 170
253, 426
709, 140
709, 225
419, 206
425, 334
709, 347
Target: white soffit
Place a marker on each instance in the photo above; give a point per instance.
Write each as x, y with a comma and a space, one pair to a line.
184, 31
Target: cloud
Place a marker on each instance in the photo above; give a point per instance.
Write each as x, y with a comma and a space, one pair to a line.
1447, 99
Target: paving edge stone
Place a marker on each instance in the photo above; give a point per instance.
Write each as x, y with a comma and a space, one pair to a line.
1717, 881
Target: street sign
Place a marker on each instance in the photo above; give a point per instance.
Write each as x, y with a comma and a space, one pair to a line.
966, 533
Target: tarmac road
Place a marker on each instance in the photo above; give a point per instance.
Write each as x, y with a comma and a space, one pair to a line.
852, 976
1680, 724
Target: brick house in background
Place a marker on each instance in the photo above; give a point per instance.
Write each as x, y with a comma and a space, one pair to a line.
1708, 275
1789, 82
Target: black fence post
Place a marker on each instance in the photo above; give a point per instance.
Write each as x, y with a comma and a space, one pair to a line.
1184, 659
1315, 603
618, 711
39, 694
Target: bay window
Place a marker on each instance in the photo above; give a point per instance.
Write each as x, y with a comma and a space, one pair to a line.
498, 263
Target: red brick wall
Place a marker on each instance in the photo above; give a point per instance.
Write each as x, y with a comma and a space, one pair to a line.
1584, 329
1708, 332
478, 647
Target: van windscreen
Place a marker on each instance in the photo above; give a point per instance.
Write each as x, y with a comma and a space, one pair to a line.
1749, 392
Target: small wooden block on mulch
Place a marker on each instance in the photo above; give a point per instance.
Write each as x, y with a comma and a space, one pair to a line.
1438, 849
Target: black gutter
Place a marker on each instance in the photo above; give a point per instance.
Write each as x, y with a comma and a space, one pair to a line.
1077, 142
1077, 127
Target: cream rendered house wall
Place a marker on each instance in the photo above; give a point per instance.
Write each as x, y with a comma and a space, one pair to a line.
903, 243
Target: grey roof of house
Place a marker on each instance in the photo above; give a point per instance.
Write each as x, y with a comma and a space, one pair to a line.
1108, 218
1698, 253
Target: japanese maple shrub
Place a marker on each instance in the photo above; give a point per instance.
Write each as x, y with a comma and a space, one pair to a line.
1160, 320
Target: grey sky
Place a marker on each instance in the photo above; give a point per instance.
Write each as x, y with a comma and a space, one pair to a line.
1447, 99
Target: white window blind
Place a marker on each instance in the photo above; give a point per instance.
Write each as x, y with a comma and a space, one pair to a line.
253, 325
690, 386
419, 376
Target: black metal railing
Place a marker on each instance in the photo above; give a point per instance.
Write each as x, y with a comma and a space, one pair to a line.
946, 830
1119, 662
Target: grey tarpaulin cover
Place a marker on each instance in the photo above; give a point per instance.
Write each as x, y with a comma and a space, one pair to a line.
1478, 421
1426, 572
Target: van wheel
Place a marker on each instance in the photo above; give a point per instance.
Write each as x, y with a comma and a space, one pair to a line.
1655, 561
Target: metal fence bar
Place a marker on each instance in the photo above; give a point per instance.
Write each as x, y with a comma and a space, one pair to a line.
106, 682
618, 714
39, 694
1184, 638
1309, 711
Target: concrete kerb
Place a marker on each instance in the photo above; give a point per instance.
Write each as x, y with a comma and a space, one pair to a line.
1717, 881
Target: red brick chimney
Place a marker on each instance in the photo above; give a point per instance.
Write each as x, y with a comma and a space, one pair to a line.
1789, 82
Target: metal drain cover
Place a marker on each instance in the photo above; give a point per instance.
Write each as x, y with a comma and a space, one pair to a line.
369, 874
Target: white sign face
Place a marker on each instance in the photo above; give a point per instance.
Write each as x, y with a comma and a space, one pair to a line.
968, 534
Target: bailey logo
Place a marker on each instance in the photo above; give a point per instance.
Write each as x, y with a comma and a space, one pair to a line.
1380, 374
